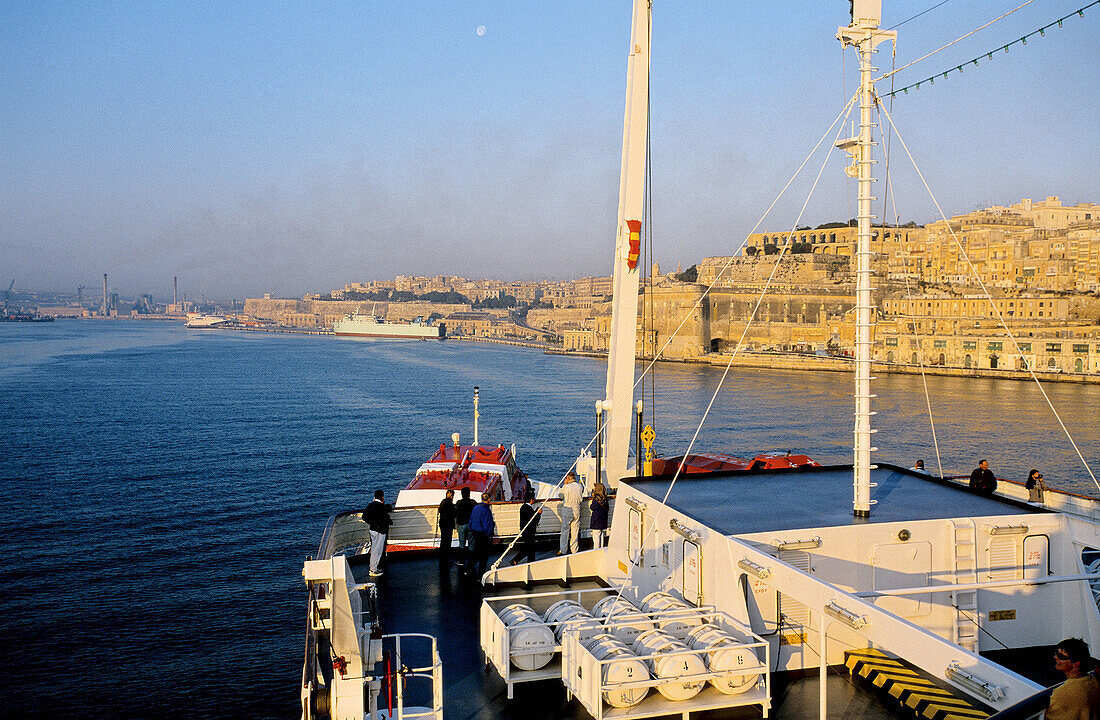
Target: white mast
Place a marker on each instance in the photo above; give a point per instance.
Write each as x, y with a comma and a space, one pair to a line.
619, 400
865, 35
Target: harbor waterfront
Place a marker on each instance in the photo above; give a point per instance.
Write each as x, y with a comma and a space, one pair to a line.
163, 485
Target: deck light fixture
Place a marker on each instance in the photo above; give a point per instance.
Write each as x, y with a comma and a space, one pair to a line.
973, 683
636, 504
753, 568
846, 616
807, 544
684, 531
1008, 530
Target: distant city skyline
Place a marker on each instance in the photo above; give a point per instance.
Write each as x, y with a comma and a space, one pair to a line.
250, 150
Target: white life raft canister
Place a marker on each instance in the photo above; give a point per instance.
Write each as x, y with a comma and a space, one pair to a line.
665, 666
527, 633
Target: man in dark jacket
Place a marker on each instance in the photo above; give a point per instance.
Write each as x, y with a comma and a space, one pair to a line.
482, 527
982, 479
529, 524
377, 517
446, 526
463, 508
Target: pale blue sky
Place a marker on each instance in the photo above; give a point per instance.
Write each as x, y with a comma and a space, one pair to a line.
290, 148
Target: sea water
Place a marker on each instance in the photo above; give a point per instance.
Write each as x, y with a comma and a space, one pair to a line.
162, 486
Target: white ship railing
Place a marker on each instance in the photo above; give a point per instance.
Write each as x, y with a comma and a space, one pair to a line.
418, 526
401, 675
1056, 500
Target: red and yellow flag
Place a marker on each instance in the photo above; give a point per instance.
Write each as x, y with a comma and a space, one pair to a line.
635, 228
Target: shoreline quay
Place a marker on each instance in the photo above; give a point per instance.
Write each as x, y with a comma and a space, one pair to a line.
780, 361
783, 361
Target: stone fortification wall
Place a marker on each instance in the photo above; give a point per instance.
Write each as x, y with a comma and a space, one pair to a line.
406, 311
804, 318
1085, 308
823, 321
561, 319
662, 313
794, 271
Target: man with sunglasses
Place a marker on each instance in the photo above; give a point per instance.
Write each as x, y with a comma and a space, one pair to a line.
1078, 698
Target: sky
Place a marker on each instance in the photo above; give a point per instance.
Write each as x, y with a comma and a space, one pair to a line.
293, 148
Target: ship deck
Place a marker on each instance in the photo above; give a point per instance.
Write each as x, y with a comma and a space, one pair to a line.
444, 603
421, 596
740, 503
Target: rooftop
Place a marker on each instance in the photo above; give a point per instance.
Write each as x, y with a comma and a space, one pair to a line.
732, 503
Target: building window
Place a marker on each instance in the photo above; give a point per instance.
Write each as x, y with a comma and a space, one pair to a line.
891, 342
939, 343
1025, 347
995, 346
970, 345
1083, 349
1054, 347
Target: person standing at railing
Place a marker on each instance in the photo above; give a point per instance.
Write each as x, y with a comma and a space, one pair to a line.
463, 508
377, 517
982, 479
446, 523
1035, 487
570, 495
482, 527
529, 525
597, 521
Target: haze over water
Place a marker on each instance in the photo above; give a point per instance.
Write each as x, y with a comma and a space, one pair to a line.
162, 486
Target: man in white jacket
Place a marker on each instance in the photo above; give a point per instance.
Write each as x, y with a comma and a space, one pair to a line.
570, 495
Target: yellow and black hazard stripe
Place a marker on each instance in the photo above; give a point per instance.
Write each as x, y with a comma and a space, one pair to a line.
901, 686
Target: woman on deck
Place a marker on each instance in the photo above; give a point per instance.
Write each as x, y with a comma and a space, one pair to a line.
597, 522
1035, 487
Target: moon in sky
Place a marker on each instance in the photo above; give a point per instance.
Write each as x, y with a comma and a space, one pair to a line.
480, 30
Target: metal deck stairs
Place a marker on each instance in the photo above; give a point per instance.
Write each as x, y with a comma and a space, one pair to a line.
901, 687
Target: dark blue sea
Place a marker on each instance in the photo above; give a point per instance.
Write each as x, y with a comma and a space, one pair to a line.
162, 486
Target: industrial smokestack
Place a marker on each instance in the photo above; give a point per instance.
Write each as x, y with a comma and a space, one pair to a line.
104, 294
175, 290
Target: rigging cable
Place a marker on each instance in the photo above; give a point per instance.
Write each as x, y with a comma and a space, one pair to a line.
922, 12
996, 310
840, 118
725, 373
972, 32
988, 55
892, 198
